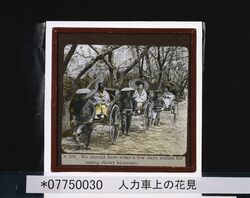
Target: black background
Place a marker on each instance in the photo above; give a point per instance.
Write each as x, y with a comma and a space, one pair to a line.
226, 80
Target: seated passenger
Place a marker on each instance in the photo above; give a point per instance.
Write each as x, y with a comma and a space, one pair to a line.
168, 98
102, 101
140, 95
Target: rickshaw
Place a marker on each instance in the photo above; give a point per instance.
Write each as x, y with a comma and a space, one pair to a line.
114, 117
145, 111
173, 109
113, 120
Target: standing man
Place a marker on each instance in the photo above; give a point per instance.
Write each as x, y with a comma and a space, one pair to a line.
82, 113
157, 104
127, 108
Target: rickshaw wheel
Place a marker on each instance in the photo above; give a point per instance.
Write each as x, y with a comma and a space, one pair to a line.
114, 123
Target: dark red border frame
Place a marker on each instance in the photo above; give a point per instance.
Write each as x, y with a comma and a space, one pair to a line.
56, 167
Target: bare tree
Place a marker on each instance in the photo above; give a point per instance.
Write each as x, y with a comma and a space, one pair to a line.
117, 74
166, 65
155, 67
158, 65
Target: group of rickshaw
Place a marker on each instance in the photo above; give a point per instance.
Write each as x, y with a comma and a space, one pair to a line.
114, 114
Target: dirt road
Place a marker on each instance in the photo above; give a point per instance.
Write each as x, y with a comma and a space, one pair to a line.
168, 139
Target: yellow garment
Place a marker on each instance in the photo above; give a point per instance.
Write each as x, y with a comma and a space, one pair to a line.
101, 109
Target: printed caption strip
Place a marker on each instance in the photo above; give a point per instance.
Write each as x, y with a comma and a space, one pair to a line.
127, 185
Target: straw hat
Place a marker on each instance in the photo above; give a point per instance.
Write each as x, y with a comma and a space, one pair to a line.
135, 83
83, 91
127, 89
89, 93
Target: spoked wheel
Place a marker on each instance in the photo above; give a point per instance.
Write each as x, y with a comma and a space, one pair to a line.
114, 123
146, 117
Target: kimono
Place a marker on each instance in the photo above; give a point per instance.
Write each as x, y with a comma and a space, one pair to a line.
140, 98
102, 101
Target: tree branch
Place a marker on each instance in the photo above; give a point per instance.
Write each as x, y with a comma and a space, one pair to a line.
104, 60
83, 55
92, 62
136, 61
165, 57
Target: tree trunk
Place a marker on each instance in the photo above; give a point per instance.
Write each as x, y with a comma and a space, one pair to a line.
68, 56
160, 81
113, 77
183, 86
168, 74
158, 84
141, 68
148, 65
110, 81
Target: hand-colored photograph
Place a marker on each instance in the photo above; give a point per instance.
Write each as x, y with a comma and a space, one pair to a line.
124, 105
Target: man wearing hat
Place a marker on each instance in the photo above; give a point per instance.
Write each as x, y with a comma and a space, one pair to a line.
82, 113
157, 107
127, 108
